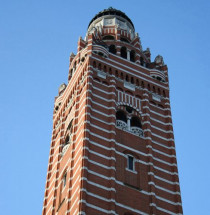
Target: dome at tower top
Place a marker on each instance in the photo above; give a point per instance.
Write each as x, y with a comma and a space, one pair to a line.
113, 12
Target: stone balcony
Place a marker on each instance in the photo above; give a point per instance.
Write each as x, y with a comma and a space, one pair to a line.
121, 124
66, 146
133, 129
157, 74
100, 50
137, 131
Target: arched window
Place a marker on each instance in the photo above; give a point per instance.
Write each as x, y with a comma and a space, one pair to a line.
62, 186
164, 94
136, 126
124, 40
70, 126
112, 49
64, 179
132, 80
123, 52
108, 37
66, 145
135, 122
121, 120
99, 66
142, 61
94, 64
67, 140
120, 115
127, 78
132, 56
110, 71
121, 76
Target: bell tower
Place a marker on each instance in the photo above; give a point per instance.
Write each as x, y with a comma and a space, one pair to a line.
112, 149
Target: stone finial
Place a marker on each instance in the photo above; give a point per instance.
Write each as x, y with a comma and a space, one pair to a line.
61, 88
72, 54
159, 60
117, 26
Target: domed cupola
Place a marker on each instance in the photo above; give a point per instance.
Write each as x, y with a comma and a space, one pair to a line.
111, 19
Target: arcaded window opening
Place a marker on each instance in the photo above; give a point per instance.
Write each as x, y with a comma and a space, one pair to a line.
108, 37
123, 52
112, 49
120, 115
132, 56
135, 122
94, 64
127, 78
142, 62
67, 140
124, 40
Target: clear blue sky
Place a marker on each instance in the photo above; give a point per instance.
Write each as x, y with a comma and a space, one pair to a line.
36, 38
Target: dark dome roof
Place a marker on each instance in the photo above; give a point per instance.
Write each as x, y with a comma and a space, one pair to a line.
111, 11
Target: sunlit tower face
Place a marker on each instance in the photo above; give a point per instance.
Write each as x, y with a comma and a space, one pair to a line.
112, 148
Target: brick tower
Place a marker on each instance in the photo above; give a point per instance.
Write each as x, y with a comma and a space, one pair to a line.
112, 148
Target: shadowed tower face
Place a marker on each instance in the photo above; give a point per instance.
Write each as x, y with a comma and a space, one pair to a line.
112, 148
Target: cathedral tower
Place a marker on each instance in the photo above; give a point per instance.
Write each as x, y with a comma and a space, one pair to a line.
112, 148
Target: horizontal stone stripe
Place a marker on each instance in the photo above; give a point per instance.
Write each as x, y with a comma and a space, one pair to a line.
97, 208
163, 179
106, 100
99, 154
107, 115
99, 164
164, 210
103, 91
162, 130
163, 189
98, 185
106, 107
162, 153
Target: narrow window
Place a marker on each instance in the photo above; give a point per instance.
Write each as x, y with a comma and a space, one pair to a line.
130, 162
120, 115
132, 56
64, 180
112, 49
94, 64
123, 52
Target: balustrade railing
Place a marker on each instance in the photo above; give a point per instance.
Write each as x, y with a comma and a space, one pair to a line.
66, 146
137, 131
121, 124
133, 129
